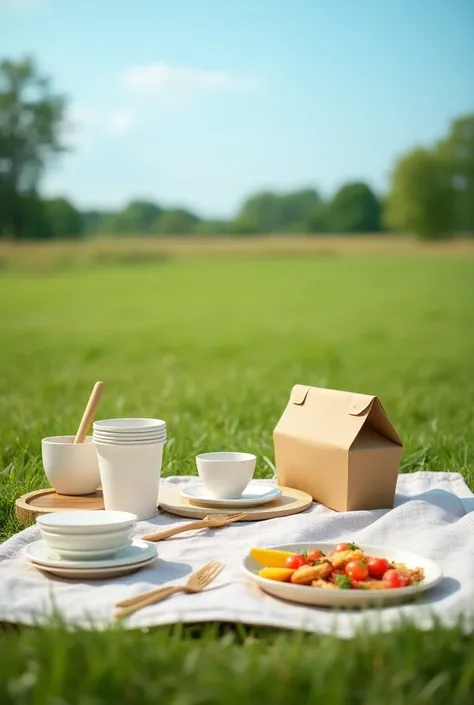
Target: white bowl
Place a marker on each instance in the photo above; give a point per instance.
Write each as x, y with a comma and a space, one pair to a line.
106, 540
71, 468
95, 555
86, 521
226, 475
128, 425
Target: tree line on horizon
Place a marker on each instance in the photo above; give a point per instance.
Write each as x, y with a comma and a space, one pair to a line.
354, 208
431, 191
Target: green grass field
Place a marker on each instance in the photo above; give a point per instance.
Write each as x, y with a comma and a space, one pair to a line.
214, 346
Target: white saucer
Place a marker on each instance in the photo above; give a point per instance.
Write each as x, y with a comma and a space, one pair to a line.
94, 573
253, 496
137, 552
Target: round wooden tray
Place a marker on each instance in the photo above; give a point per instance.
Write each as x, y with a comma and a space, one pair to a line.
291, 502
31, 505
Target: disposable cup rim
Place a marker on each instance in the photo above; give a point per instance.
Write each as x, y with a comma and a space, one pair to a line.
129, 424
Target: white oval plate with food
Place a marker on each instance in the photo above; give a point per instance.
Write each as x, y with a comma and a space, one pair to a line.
253, 496
356, 598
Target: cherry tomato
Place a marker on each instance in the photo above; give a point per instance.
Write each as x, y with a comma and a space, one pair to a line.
394, 579
341, 547
357, 570
314, 555
377, 567
295, 562
345, 547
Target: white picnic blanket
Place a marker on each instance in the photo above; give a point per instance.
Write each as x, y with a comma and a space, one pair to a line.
433, 516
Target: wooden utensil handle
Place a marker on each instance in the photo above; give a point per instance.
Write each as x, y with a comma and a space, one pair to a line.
145, 595
152, 599
167, 533
89, 412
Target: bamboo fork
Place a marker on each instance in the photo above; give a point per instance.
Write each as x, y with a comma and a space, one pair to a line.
196, 583
213, 521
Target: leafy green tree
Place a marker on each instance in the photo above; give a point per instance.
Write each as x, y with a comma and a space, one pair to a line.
92, 221
317, 222
212, 227
268, 212
64, 219
421, 196
259, 214
297, 208
457, 151
176, 222
136, 218
354, 209
31, 117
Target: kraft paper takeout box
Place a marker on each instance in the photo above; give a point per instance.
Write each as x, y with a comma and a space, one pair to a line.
338, 447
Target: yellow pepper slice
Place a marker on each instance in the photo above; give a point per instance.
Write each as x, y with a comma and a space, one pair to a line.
270, 558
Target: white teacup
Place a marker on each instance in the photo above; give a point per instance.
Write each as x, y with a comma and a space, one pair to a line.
71, 468
226, 475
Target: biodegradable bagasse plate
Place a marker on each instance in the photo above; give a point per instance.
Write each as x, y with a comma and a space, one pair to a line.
253, 496
41, 554
327, 597
94, 573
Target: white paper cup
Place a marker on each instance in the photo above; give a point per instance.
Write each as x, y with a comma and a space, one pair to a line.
130, 477
71, 468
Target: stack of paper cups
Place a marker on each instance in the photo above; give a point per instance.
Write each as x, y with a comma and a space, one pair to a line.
130, 453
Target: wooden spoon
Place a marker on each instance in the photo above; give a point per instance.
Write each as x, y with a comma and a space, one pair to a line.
89, 412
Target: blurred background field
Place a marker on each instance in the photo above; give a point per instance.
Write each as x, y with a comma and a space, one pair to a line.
64, 255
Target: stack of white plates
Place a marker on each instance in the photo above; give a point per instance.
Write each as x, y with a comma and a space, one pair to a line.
129, 432
88, 544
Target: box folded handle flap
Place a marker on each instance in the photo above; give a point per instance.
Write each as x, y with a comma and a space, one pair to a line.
383, 424
299, 394
360, 404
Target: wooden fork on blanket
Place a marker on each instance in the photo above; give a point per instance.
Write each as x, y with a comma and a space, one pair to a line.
196, 583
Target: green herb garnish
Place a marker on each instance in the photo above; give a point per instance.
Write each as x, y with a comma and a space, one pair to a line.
343, 582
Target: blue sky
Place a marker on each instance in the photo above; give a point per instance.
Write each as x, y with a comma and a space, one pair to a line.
201, 102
